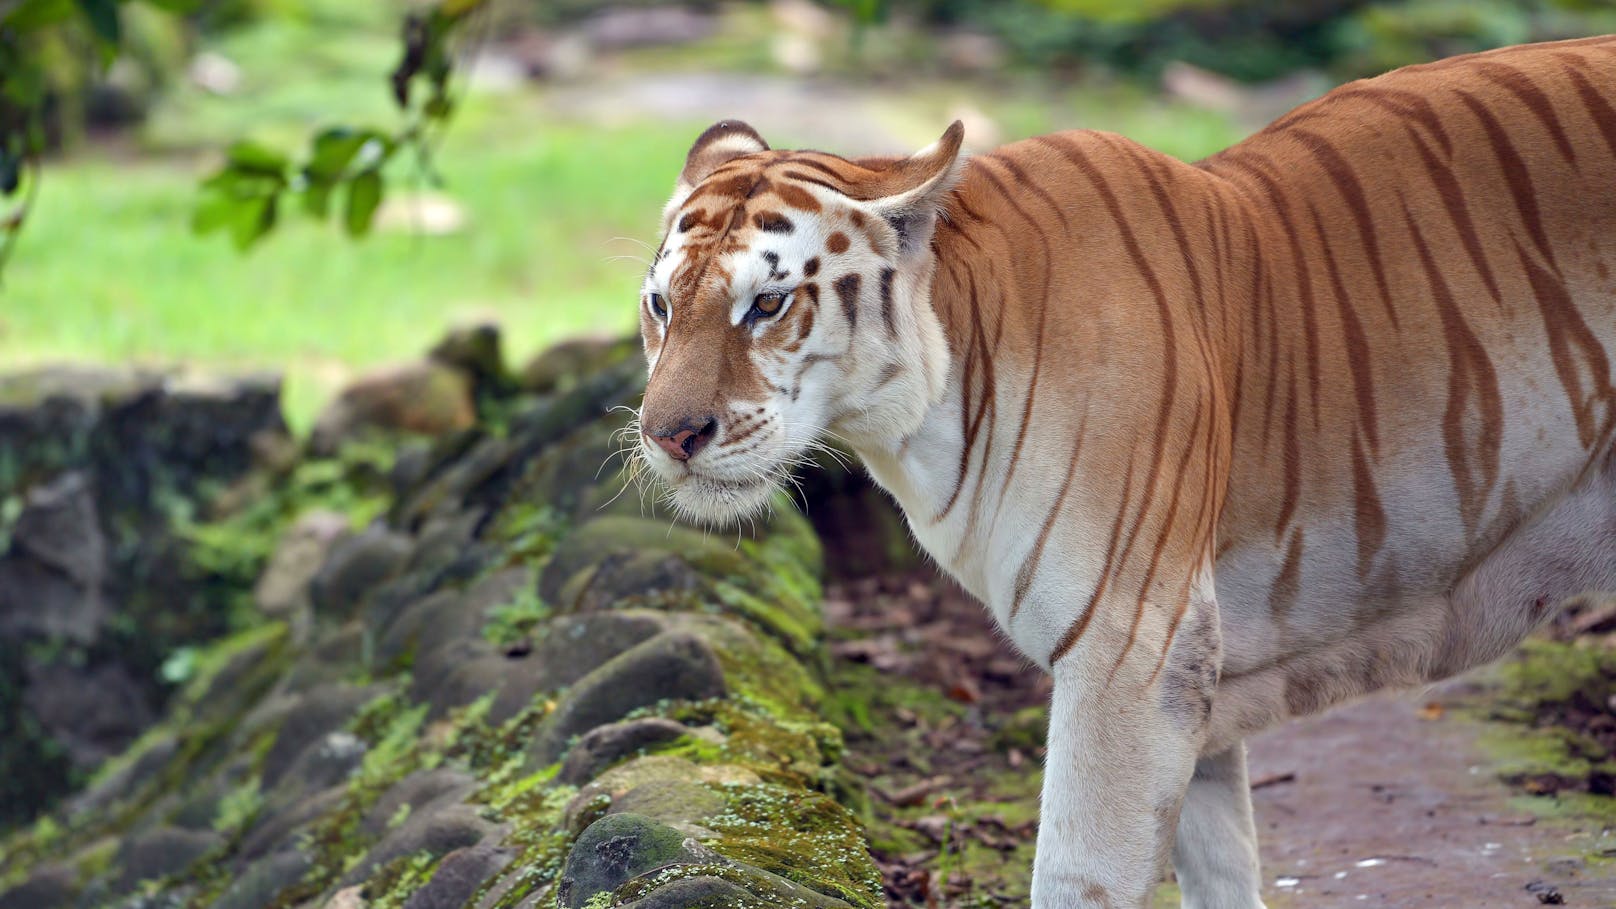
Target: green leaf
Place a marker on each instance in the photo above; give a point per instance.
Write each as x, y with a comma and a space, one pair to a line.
334, 150
103, 16
254, 158
317, 199
214, 209
254, 218
364, 195
32, 15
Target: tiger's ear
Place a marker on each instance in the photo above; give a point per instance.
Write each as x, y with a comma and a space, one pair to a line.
909, 193
719, 144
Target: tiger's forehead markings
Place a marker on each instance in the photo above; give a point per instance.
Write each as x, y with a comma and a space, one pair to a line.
749, 191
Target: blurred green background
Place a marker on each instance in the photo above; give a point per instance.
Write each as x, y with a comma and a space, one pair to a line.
572, 119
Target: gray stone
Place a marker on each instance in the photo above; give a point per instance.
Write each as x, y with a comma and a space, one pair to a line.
318, 712
604, 746
574, 646
618, 848
672, 666
49, 887
125, 781
161, 852
475, 351
283, 588
446, 617
52, 576
95, 712
59, 527
439, 828
261, 882
442, 539
357, 565
677, 790
459, 876
419, 791
323, 763
199, 800
421, 398
277, 827
560, 366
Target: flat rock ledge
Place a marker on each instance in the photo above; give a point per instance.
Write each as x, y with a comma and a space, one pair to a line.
523, 686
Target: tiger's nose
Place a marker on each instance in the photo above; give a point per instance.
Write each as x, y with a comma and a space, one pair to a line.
683, 442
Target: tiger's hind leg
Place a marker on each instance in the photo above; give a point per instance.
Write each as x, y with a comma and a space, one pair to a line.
1215, 851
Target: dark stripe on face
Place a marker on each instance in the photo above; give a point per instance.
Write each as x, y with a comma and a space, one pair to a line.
847, 290
805, 178
887, 315
810, 267
773, 222
837, 242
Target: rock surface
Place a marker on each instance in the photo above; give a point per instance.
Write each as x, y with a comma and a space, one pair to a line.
102, 471
509, 689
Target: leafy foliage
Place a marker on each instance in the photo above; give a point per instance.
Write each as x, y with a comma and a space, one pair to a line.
47, 47
244, 197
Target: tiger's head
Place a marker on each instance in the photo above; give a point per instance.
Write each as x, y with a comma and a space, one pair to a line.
790, 299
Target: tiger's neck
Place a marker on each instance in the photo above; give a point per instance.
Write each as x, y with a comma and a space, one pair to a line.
1031, 280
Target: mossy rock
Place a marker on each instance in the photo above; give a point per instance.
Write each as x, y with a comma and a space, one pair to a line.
617, 849
671, 666
768, 582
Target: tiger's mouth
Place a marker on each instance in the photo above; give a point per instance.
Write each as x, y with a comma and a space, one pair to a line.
718, 501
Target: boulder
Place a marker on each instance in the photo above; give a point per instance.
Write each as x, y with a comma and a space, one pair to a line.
53, 575
671, 666
283, 588
422, 398
163, 851
356, 566
261, 882
317, 713
606, 745
49, 887
475, 351
93, 712
459, 876
559, 367
439, 828
618, 848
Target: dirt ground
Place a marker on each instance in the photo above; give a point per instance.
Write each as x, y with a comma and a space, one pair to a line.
1394, 804
1390, 802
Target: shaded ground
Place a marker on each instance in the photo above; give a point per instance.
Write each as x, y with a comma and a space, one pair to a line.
1397, 801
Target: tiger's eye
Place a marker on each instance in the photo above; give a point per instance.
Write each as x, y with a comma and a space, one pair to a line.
658, 306
768, 304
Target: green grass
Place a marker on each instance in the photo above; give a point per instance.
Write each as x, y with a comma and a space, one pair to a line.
107, 269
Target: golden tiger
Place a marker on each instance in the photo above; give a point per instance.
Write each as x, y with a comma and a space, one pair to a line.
1217, 443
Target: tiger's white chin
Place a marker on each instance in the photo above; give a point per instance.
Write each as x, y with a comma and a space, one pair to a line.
718, 502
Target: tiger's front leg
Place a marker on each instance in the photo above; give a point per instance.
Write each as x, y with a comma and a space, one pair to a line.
1126, 726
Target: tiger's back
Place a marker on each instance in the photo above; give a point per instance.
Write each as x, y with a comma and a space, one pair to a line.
1428, 368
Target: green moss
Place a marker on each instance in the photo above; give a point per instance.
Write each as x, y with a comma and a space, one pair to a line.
392, 884
801, 835
238, 808
517, 620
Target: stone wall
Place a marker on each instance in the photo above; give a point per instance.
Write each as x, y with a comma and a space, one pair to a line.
523, 686
97, 467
